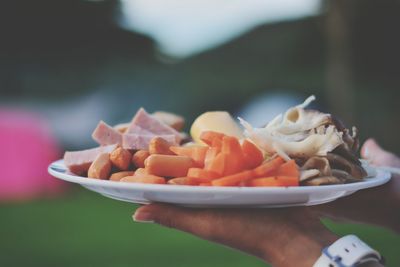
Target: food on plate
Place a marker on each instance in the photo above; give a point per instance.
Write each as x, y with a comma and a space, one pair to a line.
145, 179
78, 162
300, 147
325, 150
139, 158
121, 158
119, 175
158, 145
216, 121
168, 165
101, 167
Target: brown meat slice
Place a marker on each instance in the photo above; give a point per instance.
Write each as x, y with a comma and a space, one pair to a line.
104, 134
154, 125
141, 141
78, 162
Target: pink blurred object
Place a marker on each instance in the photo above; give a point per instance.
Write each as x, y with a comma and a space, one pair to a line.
27, 147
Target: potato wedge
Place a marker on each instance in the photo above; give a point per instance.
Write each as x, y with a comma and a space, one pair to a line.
121, 158
119, 175
159, 146
139, 157
101, 167
144, 179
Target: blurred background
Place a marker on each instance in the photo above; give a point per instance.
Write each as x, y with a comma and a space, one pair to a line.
66, 64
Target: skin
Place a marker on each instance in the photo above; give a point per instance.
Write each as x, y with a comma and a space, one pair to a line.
378, 206
287, 236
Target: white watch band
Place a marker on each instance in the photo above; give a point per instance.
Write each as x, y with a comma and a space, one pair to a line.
347, 251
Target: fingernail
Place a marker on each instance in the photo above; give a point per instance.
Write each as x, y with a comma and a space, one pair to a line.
143, 216
366, 152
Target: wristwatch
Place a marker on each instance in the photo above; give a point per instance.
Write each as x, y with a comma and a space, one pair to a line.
348, 251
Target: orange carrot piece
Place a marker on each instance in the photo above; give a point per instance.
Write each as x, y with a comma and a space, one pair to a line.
144, 179
202, 173
252, 155
141, 171
218, 164
233, 164
234, 155
209, 136
289, 168
234, 179
205, 184
268, 167
197, 153
186, 181
168, 165
231, 145
261, 182
217, 142
210, 156
275, 181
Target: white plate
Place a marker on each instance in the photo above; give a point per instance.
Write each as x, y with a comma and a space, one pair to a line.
208, 196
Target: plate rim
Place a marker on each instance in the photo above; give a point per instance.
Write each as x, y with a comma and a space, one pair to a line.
381, 177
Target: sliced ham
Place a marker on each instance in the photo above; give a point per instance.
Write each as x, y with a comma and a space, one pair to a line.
141, 141
154, 125
104, 134
135, 129
78, 162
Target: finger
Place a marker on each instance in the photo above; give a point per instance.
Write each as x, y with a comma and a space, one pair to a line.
196, 221
219, 225
377, 155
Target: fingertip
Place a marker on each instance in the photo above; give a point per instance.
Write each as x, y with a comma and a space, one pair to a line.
369, 148
145, 213
152, 212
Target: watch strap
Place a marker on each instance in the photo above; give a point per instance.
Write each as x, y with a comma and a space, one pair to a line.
347, 251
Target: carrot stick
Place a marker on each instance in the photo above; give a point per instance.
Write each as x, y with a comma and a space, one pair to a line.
210, 156
275, 181
268, 167
197, 153
289, 168
252, 155
234, 179
187, 181
234, 155
202, 173
141, 171
209, 136
168, 166
217, 143
217, 164
144, 179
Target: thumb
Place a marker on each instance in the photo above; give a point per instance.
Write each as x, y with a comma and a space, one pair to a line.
374, 153
196, 221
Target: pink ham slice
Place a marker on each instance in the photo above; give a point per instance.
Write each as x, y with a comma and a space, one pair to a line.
135, 129
141, 141
104, 134
152, 124
78, 162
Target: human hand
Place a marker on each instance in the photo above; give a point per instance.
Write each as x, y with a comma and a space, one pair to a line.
379, 205
282, 237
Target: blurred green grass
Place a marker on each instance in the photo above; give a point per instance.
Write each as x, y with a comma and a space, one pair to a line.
85, 229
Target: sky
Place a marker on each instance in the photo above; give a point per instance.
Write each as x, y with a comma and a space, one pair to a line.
183, 28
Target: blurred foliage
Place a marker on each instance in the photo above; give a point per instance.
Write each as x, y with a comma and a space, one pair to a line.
86, 229
53, 50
